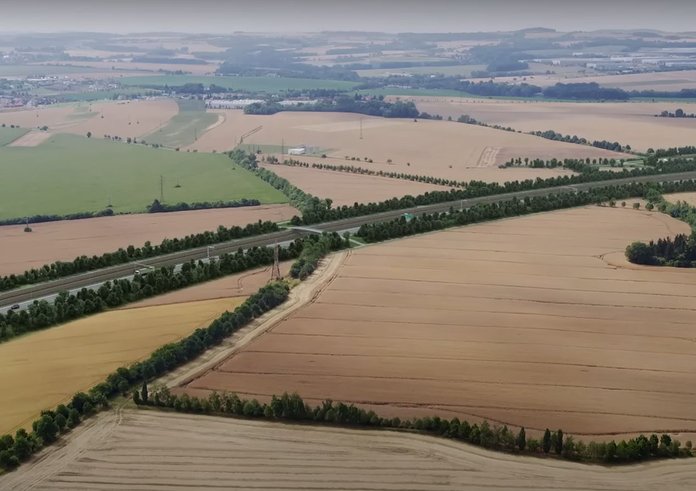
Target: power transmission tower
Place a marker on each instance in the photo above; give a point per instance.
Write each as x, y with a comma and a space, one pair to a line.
361, 133
275, 272
161, 189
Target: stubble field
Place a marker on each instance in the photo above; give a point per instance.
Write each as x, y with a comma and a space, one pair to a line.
436, 148
153, 450
66, 240
632, 123
535, 321
43, 369
123, 118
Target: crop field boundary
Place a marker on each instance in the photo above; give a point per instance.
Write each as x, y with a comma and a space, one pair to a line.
304, 293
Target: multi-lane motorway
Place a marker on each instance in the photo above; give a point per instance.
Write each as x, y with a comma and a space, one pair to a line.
92, 278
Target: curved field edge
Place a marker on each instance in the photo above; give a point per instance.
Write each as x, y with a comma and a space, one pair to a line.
126, 449
381, 303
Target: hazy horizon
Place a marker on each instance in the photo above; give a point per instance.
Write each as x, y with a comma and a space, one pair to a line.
224, 17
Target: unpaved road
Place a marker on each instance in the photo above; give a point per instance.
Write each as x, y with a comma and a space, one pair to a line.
138, 449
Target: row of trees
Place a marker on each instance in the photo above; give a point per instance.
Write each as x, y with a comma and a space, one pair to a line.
314, 248
679, 113
56, 218
315, 210
291, 407
404, 226
605, 144
371, 172
69, 306
158, 207
18, 448
83, 264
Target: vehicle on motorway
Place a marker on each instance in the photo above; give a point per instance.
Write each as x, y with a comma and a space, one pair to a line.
15, 307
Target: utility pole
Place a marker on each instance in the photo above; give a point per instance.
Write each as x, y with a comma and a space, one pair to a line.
275, 272
282, 148
161, 189
361, 133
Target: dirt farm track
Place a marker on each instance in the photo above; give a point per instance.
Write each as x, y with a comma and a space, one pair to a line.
535, 321
137, 450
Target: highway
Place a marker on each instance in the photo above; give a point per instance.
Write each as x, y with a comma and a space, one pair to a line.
45, 290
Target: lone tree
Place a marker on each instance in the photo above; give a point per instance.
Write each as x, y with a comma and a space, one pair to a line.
558, 443
89, 134
521, 440
546, 442
144, 393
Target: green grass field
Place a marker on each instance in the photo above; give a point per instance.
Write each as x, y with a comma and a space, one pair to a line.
31, 70
185, 127
8, 135
251, 84
70, 173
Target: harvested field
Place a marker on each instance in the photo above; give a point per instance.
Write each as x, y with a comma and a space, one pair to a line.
535, 321
137, 449
45, 368
235, 285
345, 189
123, 118
66, 240
689, 198
436, 148
632, 123
660, 81
31, 139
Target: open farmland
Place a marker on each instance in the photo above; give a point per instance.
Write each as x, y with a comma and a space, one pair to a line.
183, 129
69, 174
66, 240
45, 368
659, 81
632, 123
346, 189
252, 84
8, 135
535, 321
434, 148
122, 118
152, 450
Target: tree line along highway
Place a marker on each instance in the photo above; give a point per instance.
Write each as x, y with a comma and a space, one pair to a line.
27, 293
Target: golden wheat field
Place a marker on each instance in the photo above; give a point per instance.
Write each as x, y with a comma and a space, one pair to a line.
45, 368
535, 321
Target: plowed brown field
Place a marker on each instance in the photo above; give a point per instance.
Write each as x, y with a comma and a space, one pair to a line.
154, 450
534, 321
65, 240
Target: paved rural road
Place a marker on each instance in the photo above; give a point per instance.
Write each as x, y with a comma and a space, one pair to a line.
43, 290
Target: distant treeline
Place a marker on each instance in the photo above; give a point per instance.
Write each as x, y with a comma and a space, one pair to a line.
501, 438
679, 113
606, 145
376, 106
154, 207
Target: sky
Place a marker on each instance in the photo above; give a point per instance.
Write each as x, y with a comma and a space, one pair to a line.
226, 16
